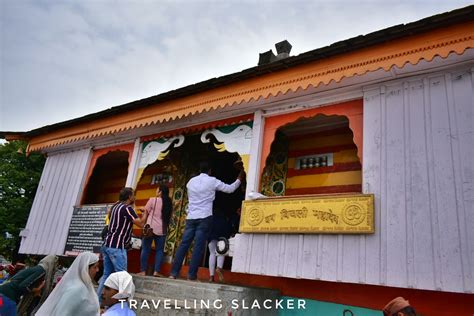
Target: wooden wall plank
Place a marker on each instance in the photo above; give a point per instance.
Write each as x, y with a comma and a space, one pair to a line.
419, 205
449, 243
418, 149
462, 125
51, 212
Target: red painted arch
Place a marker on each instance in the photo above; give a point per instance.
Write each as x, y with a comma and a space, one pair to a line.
353, 110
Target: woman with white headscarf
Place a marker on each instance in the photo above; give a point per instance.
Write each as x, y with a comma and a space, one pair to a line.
75, 294
118, 289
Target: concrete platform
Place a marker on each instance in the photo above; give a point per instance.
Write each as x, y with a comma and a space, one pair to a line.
162, 296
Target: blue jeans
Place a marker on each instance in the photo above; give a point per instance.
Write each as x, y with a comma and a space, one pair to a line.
146, 249
197, 230
115, 260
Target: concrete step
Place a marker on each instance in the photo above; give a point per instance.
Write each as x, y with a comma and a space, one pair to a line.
162, 296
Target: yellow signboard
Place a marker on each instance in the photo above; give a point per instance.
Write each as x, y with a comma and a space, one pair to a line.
336, 214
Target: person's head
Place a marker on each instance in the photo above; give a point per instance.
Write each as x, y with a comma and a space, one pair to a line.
407, 311
84, 266
108, 294
118, 286
398, 307
204, 167
88, 264
158, 191
167, 205
126, 195
49, 263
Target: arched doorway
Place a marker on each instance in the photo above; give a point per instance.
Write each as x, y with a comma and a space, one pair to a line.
107, 178
314, 152
176, 168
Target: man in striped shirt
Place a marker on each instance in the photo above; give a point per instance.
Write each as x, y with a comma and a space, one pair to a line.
122, 218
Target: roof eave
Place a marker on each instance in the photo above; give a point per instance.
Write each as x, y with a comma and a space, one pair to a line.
341, 47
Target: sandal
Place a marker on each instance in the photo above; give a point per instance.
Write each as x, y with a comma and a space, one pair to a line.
220, 276
158, 275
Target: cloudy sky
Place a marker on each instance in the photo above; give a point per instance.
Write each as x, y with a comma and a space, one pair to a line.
64, 59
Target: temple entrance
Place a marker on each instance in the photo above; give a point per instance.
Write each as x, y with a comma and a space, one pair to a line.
174, 168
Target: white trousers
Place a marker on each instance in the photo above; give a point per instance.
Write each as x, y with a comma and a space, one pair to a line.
212, 258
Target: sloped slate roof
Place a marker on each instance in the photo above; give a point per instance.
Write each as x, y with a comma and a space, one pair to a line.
397, 45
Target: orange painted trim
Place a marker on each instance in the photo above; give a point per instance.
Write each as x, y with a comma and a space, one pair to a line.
200, 127
428, 303
350, 188
103, 151
15, 136
410, 49
352, 110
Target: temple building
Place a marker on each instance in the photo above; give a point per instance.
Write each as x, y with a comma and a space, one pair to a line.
358, 157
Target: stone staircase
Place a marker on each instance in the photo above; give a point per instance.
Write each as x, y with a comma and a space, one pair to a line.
161, 296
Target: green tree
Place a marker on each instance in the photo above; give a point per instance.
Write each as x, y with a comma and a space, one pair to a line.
19, 178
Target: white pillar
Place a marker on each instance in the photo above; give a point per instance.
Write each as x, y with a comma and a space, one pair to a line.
134, 163
253, 176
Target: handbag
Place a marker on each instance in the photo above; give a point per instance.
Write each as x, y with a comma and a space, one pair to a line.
147, 230
105, 230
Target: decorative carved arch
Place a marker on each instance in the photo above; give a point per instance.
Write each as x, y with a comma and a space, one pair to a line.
236, 140
353, 110
97, 154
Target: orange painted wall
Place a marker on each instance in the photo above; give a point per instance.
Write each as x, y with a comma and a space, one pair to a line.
145, 189
345, 175
100, 152
115, 179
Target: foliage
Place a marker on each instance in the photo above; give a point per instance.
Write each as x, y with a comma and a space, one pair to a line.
19, 178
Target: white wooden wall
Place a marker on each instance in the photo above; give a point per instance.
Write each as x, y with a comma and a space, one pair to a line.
418, 161
58, 191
